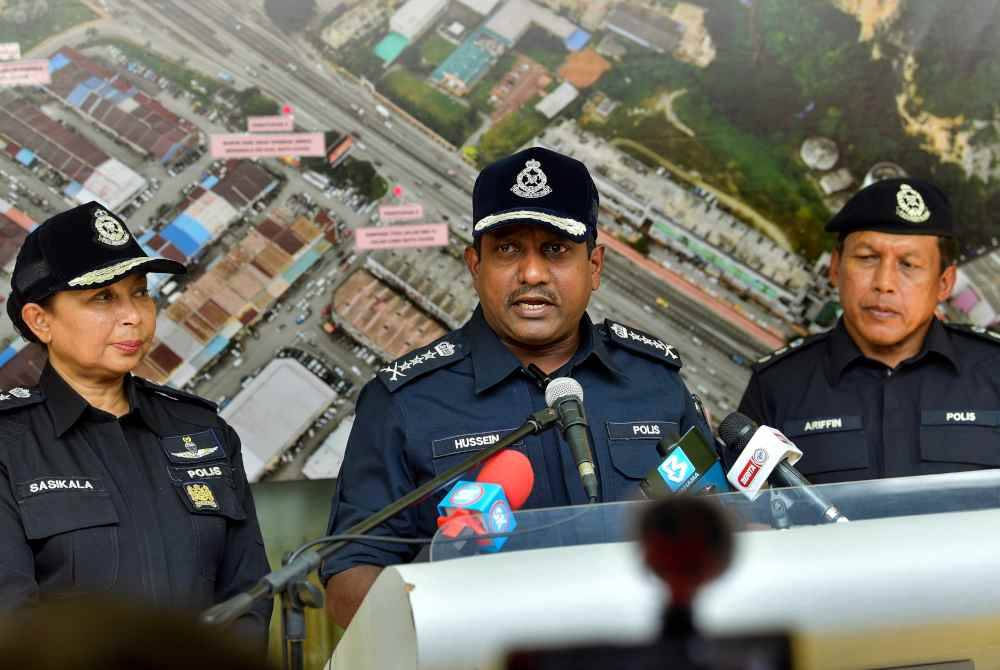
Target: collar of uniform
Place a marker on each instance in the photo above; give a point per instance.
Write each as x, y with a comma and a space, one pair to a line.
492, 361
66, 406
938, 341
844, 352
593, 344
139, 405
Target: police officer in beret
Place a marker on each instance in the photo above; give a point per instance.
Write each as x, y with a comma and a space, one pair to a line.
109, 483
534, 263
891, 390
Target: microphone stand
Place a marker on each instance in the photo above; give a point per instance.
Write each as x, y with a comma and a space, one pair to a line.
290, 581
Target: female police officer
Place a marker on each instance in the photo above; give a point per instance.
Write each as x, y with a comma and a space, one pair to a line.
110, 483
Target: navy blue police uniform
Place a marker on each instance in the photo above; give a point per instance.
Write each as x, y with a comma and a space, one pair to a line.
153, 505
431, 409
855, 418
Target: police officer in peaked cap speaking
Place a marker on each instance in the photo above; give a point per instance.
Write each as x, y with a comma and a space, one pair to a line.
891, 390
534, 263
109, 483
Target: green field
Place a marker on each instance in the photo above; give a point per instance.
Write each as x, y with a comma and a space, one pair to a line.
541, 47
434, 49
61, 16
447, 117
506, 137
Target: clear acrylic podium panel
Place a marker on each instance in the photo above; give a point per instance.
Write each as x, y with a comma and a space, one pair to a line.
774, 509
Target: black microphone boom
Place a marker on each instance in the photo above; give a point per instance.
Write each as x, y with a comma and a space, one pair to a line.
289, 579
565, 395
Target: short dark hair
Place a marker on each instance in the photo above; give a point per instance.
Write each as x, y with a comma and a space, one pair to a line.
947, 247
477, 244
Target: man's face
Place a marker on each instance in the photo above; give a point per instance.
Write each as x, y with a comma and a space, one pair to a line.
533, 284
889, 285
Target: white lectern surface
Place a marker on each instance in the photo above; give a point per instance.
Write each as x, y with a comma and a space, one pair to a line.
465, 613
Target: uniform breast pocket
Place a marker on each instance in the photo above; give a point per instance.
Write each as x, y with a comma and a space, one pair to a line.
633, 447
212, 505
454, 448
74, 536
958, 440
834, 449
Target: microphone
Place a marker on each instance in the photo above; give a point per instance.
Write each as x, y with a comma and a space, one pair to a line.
764, 454
485, 506
689, 464
565, 395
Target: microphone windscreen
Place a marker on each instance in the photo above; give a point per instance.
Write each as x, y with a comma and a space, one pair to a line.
735, 432
512, 470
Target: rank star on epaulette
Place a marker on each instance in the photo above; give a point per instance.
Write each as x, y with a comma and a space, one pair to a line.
643, 343
413, 365
789, 349
19, 397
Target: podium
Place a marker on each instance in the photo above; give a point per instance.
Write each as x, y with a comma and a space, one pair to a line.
910, 580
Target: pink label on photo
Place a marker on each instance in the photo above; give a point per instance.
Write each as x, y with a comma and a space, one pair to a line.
242, 145
270, 124
32, 72
402, 237
10, 50
394, 213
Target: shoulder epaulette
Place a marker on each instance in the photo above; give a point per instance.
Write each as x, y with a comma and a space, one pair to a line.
643, 343
175, 394
795, 345
977, 331
20, 397
419, 362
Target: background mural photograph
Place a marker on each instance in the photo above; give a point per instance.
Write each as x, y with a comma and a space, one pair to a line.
265, 144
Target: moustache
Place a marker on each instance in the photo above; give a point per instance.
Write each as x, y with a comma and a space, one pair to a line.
536, 292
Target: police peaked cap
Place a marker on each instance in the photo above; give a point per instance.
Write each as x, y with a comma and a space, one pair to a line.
82, 248
538, 186
900, 206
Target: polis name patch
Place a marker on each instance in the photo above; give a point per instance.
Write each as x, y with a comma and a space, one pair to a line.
960, 417
468, 442
207, 471
641, 430
193, 447
41, 485
822, 424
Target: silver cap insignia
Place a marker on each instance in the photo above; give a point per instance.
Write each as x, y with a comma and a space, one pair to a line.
910, 205
109, 231
531, 181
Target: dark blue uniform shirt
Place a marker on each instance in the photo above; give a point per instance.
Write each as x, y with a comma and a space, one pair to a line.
855, 418
430, 409
153, 505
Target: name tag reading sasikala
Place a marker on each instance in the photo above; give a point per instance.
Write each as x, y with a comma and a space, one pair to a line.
54, 483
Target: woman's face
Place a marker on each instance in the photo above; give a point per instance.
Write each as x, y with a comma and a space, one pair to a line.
102, 332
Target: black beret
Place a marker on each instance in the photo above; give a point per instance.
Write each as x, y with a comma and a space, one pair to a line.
82, 248
900, 206
540, 186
